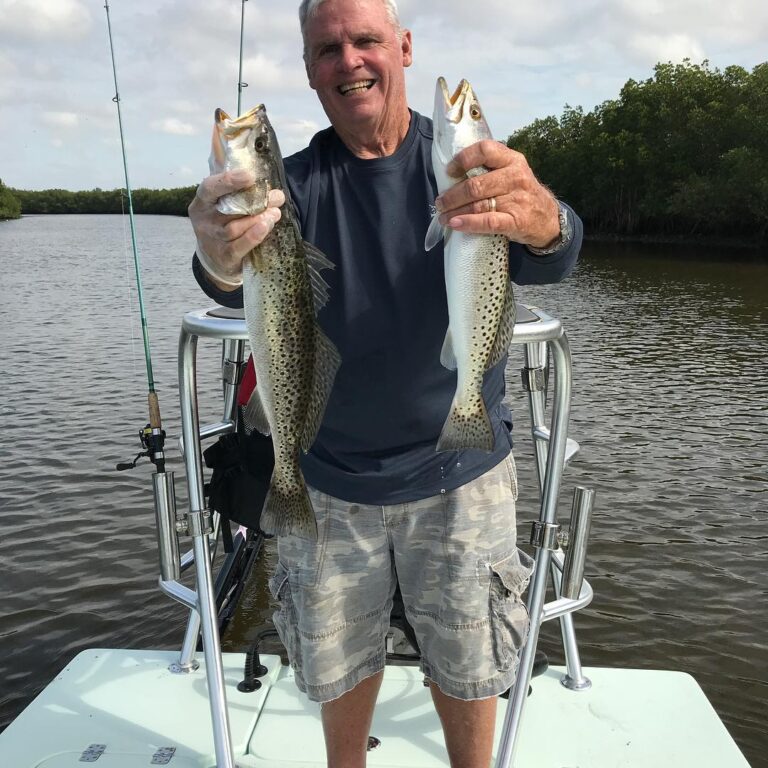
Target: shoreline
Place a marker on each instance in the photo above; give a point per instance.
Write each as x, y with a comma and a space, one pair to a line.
756, 248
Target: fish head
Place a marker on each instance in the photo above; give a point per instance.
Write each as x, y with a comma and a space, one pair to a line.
247, 143
458, 122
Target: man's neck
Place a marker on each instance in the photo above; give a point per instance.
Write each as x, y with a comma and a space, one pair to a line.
377, 141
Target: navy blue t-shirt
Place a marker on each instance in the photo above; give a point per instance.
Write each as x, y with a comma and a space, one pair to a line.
387, 314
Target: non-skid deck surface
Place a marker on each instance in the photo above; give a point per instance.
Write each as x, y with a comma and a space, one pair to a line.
130, 702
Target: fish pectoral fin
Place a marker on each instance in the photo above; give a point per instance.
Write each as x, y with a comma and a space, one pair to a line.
317, 260
505, 329
327, 361
447, 354
435, 233
254, 414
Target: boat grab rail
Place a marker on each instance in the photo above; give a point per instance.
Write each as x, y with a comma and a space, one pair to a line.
540, 333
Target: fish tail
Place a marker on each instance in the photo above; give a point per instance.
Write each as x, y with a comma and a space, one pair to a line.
467, 426
288, 511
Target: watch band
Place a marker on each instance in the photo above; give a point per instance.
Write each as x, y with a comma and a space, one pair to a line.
566, 234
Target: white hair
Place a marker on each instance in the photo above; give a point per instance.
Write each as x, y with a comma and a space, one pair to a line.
308, 7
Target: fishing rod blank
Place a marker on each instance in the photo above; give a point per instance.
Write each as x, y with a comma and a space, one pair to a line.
240, 83
152, 436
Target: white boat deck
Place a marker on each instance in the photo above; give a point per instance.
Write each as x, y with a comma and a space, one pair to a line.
129, 702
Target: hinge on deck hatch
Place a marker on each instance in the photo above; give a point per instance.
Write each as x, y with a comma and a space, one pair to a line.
163, 755
535, 379
93, 753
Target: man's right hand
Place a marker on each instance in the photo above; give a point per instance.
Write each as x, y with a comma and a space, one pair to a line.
226, 240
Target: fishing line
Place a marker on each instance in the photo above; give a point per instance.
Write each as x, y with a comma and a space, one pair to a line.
152, 436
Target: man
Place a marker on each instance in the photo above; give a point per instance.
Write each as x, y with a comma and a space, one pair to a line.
389, 507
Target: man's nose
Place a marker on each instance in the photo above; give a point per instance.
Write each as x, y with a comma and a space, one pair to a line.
350, 58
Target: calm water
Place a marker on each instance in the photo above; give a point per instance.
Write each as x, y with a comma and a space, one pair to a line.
670, 407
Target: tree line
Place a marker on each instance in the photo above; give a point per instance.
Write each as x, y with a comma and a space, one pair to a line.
10, 207
684, 153
170, 202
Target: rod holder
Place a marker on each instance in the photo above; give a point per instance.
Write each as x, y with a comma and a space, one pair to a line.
165, 516
578, 535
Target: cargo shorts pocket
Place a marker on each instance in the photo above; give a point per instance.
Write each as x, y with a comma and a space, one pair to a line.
508, 611
284, 618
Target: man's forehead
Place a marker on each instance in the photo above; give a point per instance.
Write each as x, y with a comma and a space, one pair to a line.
333, 22
339, 33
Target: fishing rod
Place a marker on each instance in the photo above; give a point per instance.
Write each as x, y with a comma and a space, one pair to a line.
152, 436
240, 83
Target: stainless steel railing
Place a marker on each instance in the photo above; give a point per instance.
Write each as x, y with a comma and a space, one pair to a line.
543, 337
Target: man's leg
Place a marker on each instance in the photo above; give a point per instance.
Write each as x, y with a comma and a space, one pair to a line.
468, 728
347, 723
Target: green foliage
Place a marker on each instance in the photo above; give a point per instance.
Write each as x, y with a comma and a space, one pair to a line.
684, 152
10, 207
172, 202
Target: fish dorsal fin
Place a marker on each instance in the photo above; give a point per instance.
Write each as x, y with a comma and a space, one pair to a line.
505, 329
317, 260
255, 416
327, 361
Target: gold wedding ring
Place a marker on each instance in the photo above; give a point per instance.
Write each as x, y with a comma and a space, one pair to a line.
491, 204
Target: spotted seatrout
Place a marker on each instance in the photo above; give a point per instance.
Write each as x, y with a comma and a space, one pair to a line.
282, 292
481, 307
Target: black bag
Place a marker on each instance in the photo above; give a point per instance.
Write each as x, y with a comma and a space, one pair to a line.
242, 466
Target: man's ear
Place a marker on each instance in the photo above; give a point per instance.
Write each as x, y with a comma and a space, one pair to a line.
406, 45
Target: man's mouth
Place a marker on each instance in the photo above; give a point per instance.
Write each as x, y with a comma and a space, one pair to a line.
359, 86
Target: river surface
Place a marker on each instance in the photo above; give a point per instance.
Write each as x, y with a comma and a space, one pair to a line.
670, 407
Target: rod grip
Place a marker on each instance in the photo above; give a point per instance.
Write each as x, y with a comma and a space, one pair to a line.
154, 411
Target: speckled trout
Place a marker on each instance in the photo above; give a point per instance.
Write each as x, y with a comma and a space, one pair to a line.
282, 292
481, 307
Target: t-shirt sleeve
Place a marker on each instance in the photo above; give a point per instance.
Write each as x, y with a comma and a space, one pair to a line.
527, 269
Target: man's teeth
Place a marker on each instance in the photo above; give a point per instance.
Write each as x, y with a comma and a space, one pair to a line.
361, 85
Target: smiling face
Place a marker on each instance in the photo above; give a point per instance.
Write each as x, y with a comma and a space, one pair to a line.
355, 61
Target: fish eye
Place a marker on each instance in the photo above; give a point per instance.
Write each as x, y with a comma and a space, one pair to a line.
261, 144
474, 111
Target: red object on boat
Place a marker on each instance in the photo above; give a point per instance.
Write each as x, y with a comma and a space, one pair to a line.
248, 384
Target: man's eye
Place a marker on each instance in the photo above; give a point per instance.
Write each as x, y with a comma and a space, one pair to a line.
328, 50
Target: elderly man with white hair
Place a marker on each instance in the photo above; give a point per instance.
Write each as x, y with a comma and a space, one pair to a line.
391, 509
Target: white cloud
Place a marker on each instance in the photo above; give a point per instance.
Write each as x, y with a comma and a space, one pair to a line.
178, 60
174, 126
61, 119
650, 49
45, 21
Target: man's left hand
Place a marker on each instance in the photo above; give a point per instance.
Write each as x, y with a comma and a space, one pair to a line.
508, 200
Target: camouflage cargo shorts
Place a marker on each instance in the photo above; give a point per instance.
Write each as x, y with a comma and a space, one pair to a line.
461, 577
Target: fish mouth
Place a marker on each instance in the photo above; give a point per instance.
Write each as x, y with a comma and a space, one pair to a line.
453, 102
359, 86
233, 126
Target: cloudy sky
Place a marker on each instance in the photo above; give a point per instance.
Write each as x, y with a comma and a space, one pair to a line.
178, 59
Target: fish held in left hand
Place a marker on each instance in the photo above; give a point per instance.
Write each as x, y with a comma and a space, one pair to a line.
283, 291
481, 306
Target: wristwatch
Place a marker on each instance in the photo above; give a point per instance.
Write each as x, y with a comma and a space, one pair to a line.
566, 233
